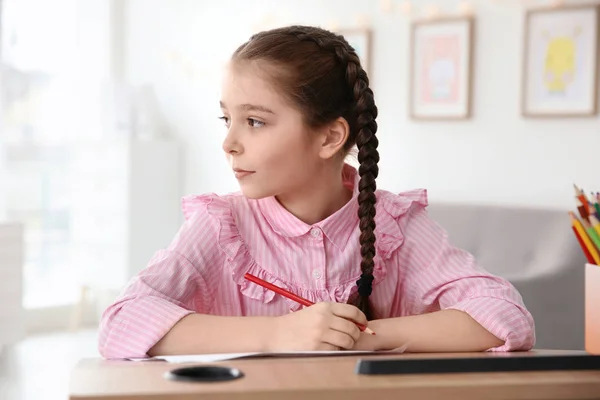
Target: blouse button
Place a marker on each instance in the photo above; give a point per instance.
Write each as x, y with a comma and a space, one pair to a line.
315, 232
316, 274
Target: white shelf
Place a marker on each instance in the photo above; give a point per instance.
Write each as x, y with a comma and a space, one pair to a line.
126, 206
11, 283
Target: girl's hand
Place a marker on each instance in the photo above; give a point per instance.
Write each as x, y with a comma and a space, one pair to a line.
372, 342
323, 326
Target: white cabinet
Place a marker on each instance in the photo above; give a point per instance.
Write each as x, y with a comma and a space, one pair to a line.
12, 320
126, 205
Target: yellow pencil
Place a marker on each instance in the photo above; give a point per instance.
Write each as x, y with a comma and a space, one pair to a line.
584, 237
595, 223
592, 234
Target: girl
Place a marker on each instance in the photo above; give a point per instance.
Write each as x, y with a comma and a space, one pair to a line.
295, 101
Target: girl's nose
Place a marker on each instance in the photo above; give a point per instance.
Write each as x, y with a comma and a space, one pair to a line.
231, 144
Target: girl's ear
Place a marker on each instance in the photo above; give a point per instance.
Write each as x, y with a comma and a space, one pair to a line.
333, 137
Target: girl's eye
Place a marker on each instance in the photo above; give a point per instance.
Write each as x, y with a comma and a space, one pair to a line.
254, 123
225, 120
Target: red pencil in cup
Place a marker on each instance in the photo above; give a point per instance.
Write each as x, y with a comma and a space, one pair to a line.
581, 196
294, 297
583, 210
586, 252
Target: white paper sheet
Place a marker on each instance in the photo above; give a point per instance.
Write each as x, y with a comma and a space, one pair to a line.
206, 358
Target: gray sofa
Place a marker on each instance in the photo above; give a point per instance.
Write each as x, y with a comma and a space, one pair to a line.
537, 252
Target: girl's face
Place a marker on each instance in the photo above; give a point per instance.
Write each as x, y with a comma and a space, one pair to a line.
270, 150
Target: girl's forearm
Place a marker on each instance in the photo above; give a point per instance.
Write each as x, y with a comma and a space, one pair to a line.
200, 333
441, 331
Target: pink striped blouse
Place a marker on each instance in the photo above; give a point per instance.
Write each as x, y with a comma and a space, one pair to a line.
416, 270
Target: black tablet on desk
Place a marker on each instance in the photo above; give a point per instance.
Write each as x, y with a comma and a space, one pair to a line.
492, 363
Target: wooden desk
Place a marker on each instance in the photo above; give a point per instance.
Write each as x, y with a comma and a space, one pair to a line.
325, 378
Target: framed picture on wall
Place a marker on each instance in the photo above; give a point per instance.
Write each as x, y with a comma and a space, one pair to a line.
360, 40
441, 69
560, 62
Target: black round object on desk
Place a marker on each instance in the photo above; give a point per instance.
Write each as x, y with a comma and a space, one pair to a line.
205, 373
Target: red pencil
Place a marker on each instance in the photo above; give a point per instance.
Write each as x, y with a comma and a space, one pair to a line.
294, 297
581, 196
583, 247
583, 210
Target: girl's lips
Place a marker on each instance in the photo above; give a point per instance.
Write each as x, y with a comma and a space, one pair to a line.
240, 173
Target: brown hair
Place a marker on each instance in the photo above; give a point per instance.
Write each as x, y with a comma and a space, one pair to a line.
320, 74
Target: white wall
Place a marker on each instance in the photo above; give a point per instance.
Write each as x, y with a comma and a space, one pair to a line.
496, 157
3, 178
3, 174
11, 285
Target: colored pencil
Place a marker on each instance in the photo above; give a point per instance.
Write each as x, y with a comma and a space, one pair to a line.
581, 196
583, 211
585, 250
597, 208
593, 235
294, 297
595, 224
584, 237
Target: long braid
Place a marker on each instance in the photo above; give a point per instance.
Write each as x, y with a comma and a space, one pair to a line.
368, 157
365, 112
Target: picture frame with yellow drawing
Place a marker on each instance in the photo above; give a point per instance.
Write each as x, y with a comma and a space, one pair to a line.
560, 62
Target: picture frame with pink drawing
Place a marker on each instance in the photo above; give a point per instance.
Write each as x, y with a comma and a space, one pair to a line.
561, 61
441, 70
